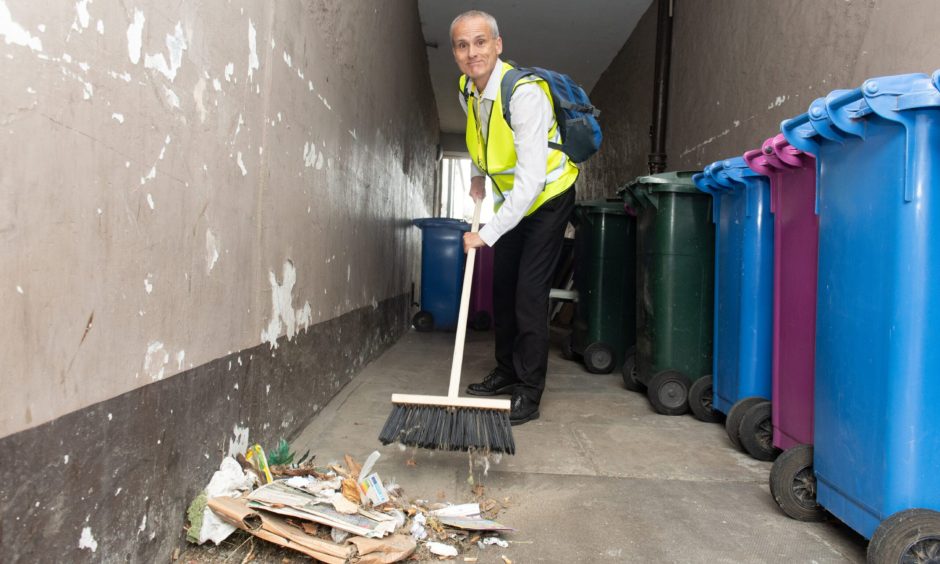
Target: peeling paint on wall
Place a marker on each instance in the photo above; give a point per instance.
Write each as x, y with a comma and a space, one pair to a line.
155, 360
283, 316
238, 444
14, 33
253, 63
135, 34
175, 45
87, 540
212, 250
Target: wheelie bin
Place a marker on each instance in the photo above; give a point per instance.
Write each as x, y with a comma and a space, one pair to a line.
481, 292
605, 272
792, 175
675, 289
877, 379
442, 264
743, 333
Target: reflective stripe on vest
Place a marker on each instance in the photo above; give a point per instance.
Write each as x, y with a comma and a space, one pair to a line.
498, 156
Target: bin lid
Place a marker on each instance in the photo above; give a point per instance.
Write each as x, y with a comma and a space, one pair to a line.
441, 223
609, 205
732, 173
674, 181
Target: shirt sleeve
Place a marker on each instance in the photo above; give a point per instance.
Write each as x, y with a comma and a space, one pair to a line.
532, 118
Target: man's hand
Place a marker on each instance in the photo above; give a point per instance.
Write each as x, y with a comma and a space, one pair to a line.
478, 188
472, 241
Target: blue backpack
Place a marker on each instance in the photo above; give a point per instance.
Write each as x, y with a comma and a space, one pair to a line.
576, 116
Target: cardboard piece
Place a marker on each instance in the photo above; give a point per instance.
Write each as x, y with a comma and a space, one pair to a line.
273, 528
384, 551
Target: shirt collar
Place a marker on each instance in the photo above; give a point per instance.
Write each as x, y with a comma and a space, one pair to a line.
492, 85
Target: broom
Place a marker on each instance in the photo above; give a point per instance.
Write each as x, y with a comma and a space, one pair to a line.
450, 422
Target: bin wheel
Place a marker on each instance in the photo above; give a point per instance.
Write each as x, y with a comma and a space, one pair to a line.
567, 348
735, 415
907, 537
630, 381
756, 432
701, 399
668, 391
423, 321
481, 321
599, 358
793, 484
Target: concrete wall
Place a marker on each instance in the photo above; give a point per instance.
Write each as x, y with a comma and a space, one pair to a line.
188, 191
740, 67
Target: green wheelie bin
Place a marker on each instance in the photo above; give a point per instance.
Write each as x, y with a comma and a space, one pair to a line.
675, 290
605, 278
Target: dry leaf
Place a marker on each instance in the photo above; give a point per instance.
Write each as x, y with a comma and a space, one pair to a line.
310, 528
411, 462
344, 506
351, 490
354, 467
506, 560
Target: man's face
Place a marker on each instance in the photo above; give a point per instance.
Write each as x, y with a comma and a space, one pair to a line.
475, 49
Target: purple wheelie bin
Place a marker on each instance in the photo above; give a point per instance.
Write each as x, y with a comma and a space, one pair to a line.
481, 292
792, 175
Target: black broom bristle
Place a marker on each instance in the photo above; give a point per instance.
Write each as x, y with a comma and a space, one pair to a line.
449, 428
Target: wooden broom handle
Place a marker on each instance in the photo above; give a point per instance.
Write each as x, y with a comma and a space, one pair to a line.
464, 309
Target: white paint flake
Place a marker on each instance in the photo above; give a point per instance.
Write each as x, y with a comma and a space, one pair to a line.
352, 132
310, 85
238, 444
118, 117
65, 459
110, 417
143, 525
253, 63
84, 66
147, 284
180, 356
152, 206
212, 250
320, 161
778, 102
198, 94
41, 28
171, 98
216, 85
135, 34
310, 155
175, 45
156, 359
125, 76
19, 289
241, 164
87, 540
229, 70
81, 7
100, 27
283, 316
287, 59
304, 317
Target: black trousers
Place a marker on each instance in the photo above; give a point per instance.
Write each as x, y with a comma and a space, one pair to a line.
524, 262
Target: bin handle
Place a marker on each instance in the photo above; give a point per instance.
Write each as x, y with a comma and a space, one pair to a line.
787, 153
799, 133
846, 108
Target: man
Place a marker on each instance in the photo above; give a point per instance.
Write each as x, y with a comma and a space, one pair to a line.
533, 189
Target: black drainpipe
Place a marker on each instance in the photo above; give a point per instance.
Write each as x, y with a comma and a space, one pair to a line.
657, 158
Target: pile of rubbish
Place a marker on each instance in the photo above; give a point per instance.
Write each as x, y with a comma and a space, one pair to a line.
337, 513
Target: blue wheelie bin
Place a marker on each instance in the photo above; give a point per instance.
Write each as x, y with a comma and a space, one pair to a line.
876, 457
744, 254
442, 266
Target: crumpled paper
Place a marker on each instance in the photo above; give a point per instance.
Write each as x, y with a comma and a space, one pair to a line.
228, 481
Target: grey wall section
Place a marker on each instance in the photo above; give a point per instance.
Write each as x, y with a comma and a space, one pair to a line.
204, 225
186, 180
740, 67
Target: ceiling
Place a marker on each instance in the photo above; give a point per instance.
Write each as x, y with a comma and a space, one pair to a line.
577, 38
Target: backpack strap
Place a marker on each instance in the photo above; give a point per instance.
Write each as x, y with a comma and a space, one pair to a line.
507, 85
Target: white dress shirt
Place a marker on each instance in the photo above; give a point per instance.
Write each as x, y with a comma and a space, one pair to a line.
532, 118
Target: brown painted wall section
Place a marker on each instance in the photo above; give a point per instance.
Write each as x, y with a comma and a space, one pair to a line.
186, 180
740, 67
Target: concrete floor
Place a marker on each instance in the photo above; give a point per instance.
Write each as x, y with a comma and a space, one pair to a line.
599, 477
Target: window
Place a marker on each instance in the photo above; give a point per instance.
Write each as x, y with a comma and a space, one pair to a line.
455, 191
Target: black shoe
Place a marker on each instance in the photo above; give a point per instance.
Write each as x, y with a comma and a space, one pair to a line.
522, 410
495, 384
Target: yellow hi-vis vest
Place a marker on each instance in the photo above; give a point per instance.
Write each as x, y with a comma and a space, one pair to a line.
496, 155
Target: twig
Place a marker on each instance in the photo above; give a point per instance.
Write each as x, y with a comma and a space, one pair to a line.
251, 551
239, 547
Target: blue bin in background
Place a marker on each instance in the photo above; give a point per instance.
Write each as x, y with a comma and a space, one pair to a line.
442, 267
877, 433
744, 255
